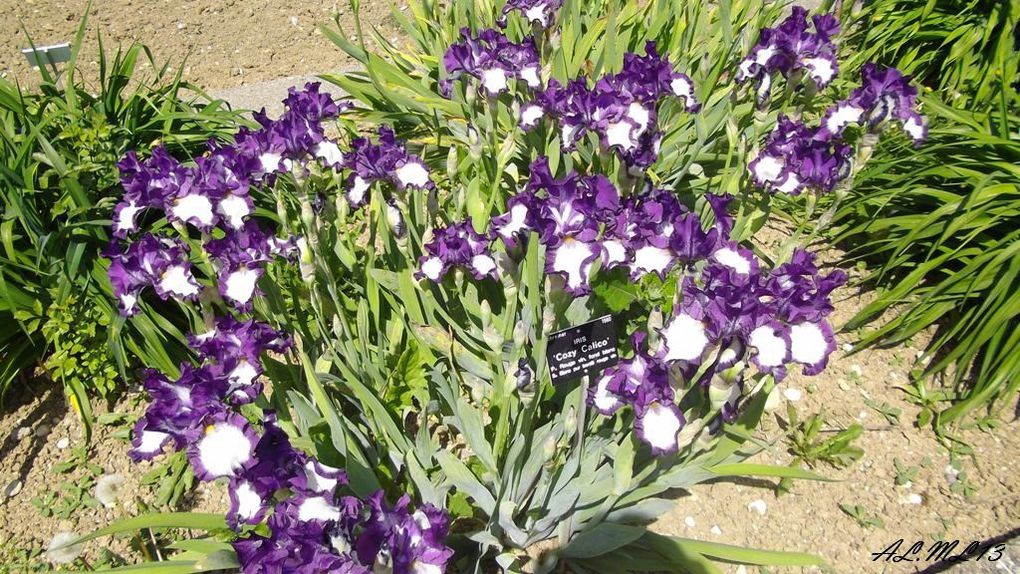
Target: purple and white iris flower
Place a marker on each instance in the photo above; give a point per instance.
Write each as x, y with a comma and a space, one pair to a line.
387, 161
541, 13
642, 382
158, 262
796, 158
621, 109
793, 50
493, 60
884, 95
457, 245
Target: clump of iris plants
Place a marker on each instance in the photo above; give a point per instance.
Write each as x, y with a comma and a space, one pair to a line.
310, 525
439, 334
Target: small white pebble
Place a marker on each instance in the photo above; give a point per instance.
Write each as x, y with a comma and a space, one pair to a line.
63, 443
13, 488
716, 530
689, 522
793, 395
293, 20
862, 415
181, 25
843, 385
951, 474
24, 432
758, 506
847, 347
912, 498
856, 370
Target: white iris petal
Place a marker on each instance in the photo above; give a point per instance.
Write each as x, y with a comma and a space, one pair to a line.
432, 268
807, 343
649, 259
329, 152
684, 338
483, 264
518, 216
530, 75
530, 115
615, 252
844, 115
537, 14
151, 441
270, 162
249, 503
734, 260
821, 69
621, 134
243, 375
791, 183
494, 80
682, 88
771, 348
234, 209
414, 174
178, 281
357, 192
604, 400
316, 481
573, 258
660, 426
768, 169
240, 285
914, 128
224, 449
193, 207
126, 217
317, 508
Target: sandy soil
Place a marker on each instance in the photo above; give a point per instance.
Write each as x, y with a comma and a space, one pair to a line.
224, 42
39, 434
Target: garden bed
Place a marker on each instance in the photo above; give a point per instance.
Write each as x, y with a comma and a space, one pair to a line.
895, 481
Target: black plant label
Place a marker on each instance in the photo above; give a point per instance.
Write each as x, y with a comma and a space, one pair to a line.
582, 350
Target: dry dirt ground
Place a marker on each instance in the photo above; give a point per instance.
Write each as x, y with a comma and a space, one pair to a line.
223, 43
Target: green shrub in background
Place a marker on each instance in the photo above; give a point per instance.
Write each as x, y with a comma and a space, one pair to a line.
938, 226
58, 179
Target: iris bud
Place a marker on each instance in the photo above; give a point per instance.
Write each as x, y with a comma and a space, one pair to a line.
548, 319
486, 313
570, 422
549, 448
306, 261
451, 163
520, 334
